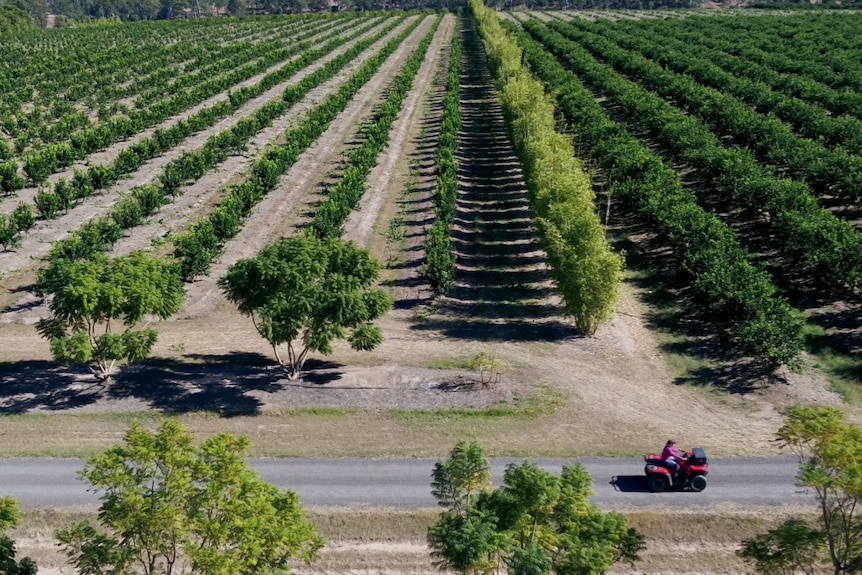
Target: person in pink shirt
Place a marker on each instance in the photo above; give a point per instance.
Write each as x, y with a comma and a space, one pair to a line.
670, 454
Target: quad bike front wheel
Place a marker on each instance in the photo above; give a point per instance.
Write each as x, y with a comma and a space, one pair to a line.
698, 483
657, 482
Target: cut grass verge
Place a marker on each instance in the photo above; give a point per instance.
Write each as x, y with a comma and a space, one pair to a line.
298, 432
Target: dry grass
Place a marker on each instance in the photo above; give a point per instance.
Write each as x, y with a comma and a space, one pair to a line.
393, 540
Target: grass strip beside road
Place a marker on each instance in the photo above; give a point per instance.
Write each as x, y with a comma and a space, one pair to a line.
393, 540
503, 431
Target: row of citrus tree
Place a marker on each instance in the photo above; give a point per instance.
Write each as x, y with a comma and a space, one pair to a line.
38, 163
735, 293
820, 47
757, 85
440, 255
837, 172
827, 249
343, 195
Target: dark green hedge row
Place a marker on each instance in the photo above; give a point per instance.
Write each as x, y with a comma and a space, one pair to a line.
767, 90
826, 248
734, 292
835, 172
440, 258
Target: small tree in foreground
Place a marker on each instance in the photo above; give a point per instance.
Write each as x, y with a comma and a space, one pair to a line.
89, 297
9, 517
307, 292
535, 523
830, 456
170, 508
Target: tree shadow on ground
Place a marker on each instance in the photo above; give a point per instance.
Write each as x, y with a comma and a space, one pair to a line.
27, 386
671, 311
470, 328
217, 383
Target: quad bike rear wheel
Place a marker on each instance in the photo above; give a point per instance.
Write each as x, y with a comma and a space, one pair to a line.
698, 483
657, 482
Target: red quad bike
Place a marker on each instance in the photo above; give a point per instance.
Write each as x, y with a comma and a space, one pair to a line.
692, 471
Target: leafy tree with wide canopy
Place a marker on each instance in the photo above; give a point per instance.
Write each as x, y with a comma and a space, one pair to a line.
171, 508
306, 292
829, 450
9, 518
88, 297
534, 523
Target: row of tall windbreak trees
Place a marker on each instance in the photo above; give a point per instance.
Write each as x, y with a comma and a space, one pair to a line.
585, 269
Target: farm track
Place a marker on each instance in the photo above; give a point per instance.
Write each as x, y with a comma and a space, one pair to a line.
290, 204
39, 240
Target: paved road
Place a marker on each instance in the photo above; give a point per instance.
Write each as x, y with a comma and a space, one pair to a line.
405, 483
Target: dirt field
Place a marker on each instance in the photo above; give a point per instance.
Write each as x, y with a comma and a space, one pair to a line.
558, 394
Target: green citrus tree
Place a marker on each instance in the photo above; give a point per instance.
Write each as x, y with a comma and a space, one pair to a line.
89, 297
169, 508
305, 292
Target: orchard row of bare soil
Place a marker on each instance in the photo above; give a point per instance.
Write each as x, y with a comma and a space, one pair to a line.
557, 394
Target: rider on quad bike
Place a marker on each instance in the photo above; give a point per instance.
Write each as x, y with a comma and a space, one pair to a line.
673, 468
